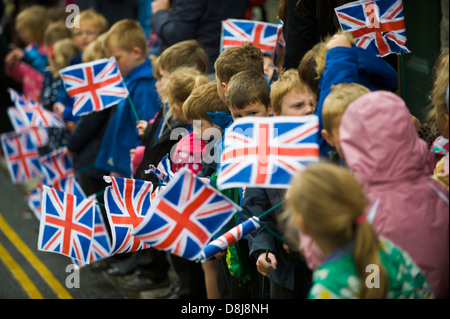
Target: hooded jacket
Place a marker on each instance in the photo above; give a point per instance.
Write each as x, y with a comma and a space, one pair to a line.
381, 146
121, 135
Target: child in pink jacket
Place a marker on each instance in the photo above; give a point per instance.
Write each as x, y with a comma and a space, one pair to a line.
381, 146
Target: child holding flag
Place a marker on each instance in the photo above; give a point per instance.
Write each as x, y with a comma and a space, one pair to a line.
248, 94
289, 277
126, 41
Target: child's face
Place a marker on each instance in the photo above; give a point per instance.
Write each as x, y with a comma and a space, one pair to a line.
332, 137
297, 103
160, 83
24, 32
269, 68
127, 61
255, 109
85, 34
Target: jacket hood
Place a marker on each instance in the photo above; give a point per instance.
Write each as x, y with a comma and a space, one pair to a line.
379, 141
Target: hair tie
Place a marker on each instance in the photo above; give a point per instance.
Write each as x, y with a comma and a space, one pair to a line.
360, 220
51, 51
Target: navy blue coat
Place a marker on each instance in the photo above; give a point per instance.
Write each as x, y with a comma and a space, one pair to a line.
196, 19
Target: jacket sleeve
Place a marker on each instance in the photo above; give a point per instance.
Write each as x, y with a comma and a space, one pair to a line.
146, 100
36, 59
341, 67
180, 23
256, 202
87, 127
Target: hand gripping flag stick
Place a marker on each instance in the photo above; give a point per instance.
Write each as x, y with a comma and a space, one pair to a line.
230, 237
237, 233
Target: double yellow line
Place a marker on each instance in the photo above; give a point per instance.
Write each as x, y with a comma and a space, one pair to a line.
17, 271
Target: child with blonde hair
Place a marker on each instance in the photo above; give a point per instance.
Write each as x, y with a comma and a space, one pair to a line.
440, 113
338, 60
91, 25
327, 203
291, 97
161, 141
127, 42
60, 54
96, 50
54, 95
190, 151
334, 106
27, 66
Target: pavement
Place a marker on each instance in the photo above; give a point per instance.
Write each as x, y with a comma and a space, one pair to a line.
26, 272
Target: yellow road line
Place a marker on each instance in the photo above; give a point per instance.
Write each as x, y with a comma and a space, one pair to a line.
43, 271
20, 275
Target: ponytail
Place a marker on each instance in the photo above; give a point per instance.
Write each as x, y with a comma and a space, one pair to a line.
366, 252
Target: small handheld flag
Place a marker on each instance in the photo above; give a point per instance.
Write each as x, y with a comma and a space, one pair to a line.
185, 215
127, 201
230, 237
377, 26
268, 151
67, 224
21, 156
94, 86
236, 32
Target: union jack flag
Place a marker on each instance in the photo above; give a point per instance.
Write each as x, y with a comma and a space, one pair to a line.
20, 100
32, 113
281, 43
21, 124
184, 216
68, 185
56, 166
230, 237
236, 32
67, 224
34, 199
163, 171
377, 26
21, 156
267, 152
101, 244
18, 121
94, 86
127, 201
37, 116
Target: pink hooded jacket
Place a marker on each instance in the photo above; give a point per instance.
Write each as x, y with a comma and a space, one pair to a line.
381, 146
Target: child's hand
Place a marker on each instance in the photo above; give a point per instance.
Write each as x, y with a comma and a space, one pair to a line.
220, 255
141, 126
71, 126
158, 5
14, 56
58, 109
265, 264
338, 40
132, 152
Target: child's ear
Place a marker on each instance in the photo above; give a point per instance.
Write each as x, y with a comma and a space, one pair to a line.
225, 86
137, 51
327, 137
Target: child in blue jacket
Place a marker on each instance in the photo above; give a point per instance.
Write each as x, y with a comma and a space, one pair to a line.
128, 44
335, 64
